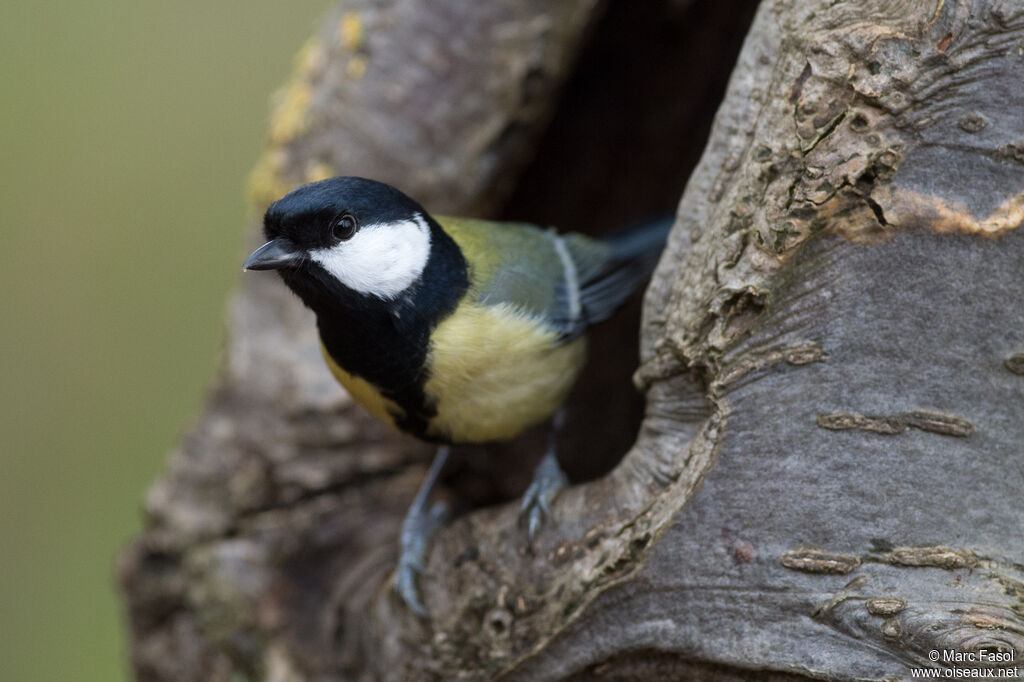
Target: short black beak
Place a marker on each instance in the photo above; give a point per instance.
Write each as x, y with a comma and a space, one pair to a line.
277, 253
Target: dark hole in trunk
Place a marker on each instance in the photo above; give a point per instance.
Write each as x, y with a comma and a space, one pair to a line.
630, 126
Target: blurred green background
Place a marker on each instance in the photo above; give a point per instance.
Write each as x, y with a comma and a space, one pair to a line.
128, 129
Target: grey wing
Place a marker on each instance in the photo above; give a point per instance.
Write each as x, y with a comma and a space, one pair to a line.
529, 272
607, 271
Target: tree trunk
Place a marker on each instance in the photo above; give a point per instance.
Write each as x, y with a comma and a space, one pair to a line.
827, 479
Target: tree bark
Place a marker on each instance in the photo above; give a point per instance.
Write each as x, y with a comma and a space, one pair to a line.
827, 479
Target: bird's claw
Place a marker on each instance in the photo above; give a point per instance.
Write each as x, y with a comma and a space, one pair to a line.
548, 481
417, 530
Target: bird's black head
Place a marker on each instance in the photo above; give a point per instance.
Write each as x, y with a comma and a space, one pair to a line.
315, 215
355, 246
346, 237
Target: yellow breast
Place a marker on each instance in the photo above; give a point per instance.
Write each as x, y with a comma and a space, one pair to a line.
494, 371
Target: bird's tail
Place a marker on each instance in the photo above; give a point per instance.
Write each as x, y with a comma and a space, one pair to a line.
641, 240
623, 265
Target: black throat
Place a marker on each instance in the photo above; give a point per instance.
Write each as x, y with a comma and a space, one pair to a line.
387, 342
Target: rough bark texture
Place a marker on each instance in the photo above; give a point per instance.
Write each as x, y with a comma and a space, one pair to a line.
827, 479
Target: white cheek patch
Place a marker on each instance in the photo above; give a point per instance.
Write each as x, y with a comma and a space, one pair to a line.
383, 259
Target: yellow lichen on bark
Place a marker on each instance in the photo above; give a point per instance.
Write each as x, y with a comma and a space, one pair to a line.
904, 207
350, 31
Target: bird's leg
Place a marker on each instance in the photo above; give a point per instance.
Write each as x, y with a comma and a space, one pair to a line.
548, 480
419, 526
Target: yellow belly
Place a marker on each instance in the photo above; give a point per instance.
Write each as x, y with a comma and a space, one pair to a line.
494, 372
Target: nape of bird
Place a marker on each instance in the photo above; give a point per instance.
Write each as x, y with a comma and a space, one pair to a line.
453, 330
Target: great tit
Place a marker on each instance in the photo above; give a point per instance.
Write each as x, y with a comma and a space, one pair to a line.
453, 330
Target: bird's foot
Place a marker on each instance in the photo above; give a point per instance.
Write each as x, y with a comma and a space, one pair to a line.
548, 480
418, 528
421, 522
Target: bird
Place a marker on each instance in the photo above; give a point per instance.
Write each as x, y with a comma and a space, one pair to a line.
453, 330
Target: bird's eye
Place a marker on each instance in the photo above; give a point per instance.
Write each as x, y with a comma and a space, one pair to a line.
344, 227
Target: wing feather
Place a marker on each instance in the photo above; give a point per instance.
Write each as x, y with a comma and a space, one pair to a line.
519, 264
